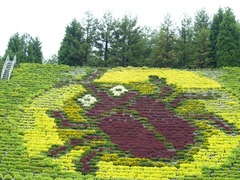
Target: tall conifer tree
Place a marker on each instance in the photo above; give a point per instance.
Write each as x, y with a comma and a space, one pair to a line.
128, 44
228, 44
185, 43
106, 29
90, 27
214, 31
72, 51
26, 48
164, 53
202, 57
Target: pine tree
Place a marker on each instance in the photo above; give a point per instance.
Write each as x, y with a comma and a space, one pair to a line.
148, 42
35, 51
90, 27
26, 48
164, 54
185, 43
202, 21
72, 51
228, 53
202, 56
105, 34
128, 44
214, 31
15, 47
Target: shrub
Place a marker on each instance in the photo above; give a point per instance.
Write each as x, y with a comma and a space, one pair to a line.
8, 177
18, 177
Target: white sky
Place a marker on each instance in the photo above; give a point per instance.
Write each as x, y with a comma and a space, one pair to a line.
47, 19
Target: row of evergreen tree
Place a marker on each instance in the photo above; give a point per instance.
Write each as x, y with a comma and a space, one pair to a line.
198, 43
25, 47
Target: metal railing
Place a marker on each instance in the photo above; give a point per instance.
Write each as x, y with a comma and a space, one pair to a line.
8, 67
4, 66
11, 68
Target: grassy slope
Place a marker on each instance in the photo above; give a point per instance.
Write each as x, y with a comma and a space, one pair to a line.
31, 80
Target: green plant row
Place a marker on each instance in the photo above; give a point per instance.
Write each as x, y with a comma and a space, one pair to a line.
27, 82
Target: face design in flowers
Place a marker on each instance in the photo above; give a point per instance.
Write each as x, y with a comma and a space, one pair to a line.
118, 90
87, 100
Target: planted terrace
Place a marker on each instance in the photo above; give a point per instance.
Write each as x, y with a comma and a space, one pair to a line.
119, 125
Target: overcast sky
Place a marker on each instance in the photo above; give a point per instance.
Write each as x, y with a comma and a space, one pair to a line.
47, 19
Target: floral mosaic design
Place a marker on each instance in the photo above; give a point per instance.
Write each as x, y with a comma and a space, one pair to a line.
87, 100
128, 123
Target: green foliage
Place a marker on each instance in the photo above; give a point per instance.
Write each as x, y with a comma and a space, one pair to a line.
8, 177
47, 178
26, 48
27, 82
214, 32
128, 47
202, 58
106, 28
59, 178
163, 54
34, 51
28, 177
71, 50
231, 80
38, 177
79, 77
90, 26
110, 42
228, 53
202, 21
18, 177
201, 54
185, 49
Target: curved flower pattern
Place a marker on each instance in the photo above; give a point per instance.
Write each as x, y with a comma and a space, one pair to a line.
118, 90
179, 126
87, 100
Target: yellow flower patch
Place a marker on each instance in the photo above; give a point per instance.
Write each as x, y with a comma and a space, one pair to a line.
42, 134
66, 134
192, 107
66, 162
232, 118
72, 110
180, 78
108, 170
40, 130
143, 88
227, 107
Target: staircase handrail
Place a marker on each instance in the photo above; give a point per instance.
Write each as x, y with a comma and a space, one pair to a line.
4, 66
12, 65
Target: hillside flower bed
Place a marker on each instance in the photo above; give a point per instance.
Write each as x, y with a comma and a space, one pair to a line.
129, 123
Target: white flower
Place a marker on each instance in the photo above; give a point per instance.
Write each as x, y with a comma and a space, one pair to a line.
118, 90
87, 100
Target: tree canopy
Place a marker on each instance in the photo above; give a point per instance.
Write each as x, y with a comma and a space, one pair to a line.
199, 42
25, 47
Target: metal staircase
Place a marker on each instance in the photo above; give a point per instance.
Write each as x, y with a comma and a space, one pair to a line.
8, 67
